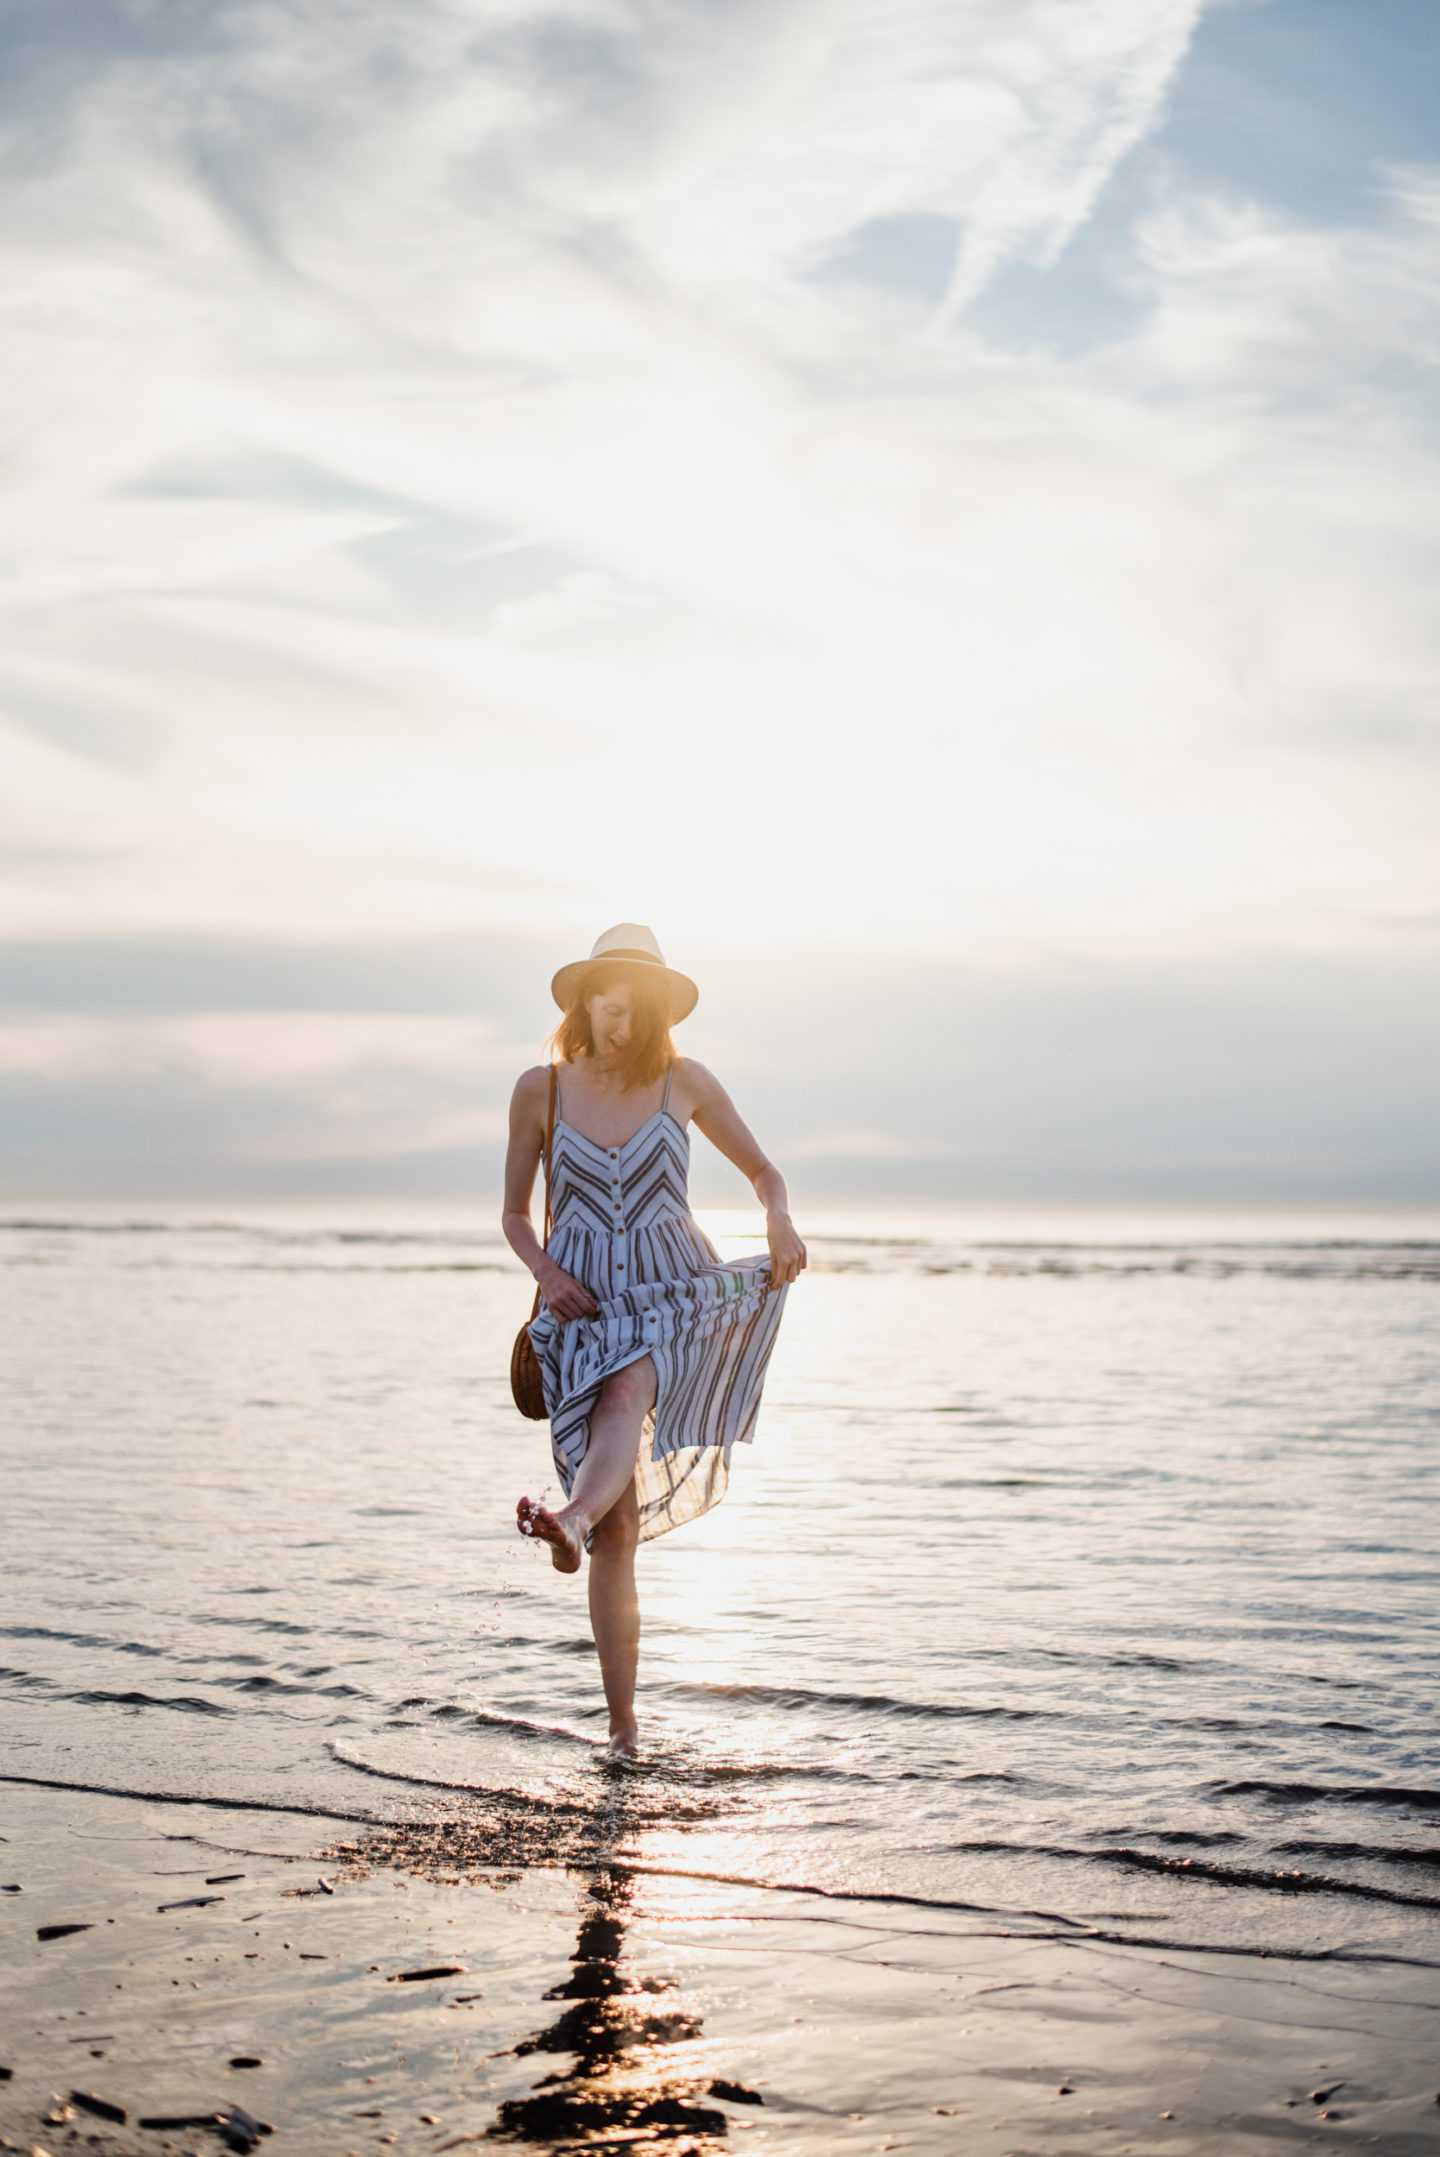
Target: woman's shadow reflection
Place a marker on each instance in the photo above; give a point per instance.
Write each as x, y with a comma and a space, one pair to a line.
615, 2030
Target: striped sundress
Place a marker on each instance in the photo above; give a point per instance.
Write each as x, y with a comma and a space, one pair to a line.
623, 1226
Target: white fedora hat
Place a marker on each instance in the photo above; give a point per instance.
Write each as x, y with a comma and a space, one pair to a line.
633, 943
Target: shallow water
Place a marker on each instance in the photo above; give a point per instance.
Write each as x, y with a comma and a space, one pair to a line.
1084, 1564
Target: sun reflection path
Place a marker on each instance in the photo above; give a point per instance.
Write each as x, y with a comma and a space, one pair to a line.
637, 2076
622, 2086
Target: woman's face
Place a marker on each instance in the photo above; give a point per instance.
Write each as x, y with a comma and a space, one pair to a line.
612, 1014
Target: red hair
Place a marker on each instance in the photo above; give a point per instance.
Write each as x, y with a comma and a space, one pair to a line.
651, 1051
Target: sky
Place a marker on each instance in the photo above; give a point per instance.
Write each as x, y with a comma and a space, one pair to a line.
933, 507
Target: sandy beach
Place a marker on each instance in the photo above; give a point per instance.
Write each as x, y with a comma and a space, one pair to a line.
581, 2002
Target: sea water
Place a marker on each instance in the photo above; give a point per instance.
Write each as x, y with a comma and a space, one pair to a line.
1084, 1563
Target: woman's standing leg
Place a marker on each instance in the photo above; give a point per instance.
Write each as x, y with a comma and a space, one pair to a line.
603, 1506
615, 1613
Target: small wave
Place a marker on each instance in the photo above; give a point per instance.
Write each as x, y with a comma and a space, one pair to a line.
1279, 1881
192, 1797
799, 1696
521, 1802
1222, 1722
185, 1703
976, 1775
93, 1696
1090, 1658
440, 1782
993, 1482
713, 1774
1271, 1881
257, 1681
1297, 1793
523, 1726
1200, 1265
78, 1640
1379, 1853
1192, 1838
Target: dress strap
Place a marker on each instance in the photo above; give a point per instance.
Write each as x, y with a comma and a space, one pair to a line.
665, 1103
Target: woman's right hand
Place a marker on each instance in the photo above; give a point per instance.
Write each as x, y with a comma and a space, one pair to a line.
566, 1297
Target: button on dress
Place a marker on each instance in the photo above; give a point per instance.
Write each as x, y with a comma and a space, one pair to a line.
623, 1226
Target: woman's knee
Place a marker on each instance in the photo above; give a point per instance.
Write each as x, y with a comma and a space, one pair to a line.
632, 1388
619, 1531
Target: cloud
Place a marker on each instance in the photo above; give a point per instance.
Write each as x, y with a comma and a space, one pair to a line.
863, 1075
250, 1050
545, 464
371, 1089
862, 1146
584, 599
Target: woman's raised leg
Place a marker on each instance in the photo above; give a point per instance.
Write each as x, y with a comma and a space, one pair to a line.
607, 1470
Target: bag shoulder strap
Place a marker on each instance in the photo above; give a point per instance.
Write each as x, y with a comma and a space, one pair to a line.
549, 1149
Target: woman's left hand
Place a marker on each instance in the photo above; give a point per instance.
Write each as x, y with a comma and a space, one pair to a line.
787, 1252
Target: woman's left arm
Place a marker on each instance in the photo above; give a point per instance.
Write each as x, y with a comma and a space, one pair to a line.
722, 1123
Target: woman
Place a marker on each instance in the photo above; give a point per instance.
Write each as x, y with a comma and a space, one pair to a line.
642, 1331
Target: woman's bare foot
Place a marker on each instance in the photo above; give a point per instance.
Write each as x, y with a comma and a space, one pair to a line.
624, 1738
566, 1547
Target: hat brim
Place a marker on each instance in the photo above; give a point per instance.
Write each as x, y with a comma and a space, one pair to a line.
684, 995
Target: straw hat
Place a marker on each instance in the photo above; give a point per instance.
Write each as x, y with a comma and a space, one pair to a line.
636, 945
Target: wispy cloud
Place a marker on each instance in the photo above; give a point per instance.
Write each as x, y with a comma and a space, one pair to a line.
287, 292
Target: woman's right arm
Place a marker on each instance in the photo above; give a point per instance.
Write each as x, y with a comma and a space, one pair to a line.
564, 1295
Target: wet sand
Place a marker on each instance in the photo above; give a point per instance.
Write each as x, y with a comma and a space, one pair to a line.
586, 1999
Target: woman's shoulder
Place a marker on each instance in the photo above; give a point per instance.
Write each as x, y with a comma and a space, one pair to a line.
694, 1082
532, 1088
